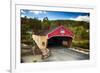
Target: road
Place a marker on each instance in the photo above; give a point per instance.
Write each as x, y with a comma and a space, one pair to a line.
57, 54
65, 54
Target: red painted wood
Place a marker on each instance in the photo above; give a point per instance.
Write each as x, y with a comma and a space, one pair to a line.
60, 31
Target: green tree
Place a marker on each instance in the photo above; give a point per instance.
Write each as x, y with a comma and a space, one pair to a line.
35, 24
46, 23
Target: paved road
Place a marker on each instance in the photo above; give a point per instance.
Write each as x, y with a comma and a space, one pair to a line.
64, 54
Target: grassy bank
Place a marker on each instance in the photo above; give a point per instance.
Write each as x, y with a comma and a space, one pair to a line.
82, 44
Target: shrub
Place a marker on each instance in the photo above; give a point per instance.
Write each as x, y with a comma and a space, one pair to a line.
82, 44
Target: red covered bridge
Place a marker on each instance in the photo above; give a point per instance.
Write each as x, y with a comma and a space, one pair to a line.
60, 36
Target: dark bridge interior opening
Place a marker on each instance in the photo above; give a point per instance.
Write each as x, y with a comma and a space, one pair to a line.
59, 41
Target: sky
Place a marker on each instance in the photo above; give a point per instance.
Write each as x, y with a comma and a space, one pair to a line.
56, 15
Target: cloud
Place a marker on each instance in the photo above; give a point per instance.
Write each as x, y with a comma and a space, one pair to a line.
24, 16
28, 17
22, 11
81, 18
38, 12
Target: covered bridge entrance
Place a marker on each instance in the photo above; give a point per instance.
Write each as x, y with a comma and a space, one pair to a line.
59, 41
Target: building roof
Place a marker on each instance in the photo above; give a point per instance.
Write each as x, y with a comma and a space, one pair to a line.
58, 31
